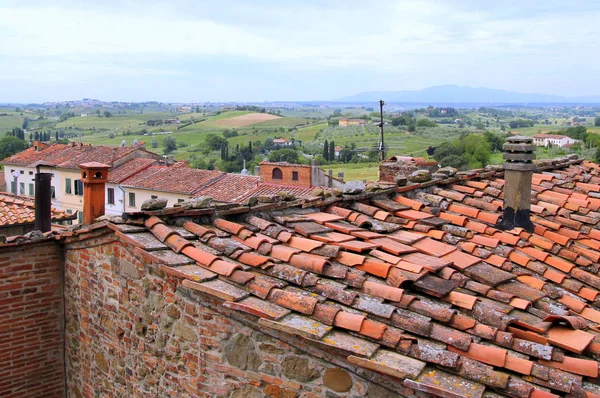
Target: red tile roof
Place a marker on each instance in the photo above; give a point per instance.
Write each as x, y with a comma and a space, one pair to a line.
229, 187
266, 189
119, 174
449, 310
181, 180
70, 156
22, 211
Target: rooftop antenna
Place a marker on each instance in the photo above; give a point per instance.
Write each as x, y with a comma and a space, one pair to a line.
381, 143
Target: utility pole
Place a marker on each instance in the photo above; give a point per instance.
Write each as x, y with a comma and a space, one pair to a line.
381, 143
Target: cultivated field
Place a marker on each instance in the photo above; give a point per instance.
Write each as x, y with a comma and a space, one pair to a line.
245, 120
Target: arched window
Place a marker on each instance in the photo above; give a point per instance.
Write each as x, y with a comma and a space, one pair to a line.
277, 174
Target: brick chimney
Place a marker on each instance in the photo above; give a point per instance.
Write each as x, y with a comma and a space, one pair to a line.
94, 176
518, 170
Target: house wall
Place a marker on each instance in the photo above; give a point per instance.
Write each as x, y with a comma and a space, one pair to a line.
142, 195
27, 177
117, 208
65, 201
304, 174
31, 320
133, 332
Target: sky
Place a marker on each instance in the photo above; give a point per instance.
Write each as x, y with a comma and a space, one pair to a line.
196, 51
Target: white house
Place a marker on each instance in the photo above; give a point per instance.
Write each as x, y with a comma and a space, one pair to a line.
556, 140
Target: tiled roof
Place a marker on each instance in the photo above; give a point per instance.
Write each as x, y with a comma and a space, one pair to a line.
70, 156
284, 164
128, 169
420, 287
228, 187
266, 189
172, 179
22, 211
558, 136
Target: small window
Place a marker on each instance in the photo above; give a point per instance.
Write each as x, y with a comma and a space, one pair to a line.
131, 199
22, 172
69, 222
21, 188
110, 193
294, 176
52, 192
31, 173
277, 174
153, 197
80, 217
180, 200
31, 190
68, 186
79, 187
13, 187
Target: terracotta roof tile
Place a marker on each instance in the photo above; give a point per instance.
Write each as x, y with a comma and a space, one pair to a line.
504, 301
22, 211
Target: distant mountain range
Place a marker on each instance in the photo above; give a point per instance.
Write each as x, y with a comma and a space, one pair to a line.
464, 94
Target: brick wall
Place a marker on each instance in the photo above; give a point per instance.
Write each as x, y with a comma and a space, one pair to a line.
304, 179
31, 320
130, 332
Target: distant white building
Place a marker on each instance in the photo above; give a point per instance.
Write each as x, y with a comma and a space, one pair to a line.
556, 140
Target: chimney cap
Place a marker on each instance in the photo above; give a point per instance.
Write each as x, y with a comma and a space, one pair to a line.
94, 165
519, 139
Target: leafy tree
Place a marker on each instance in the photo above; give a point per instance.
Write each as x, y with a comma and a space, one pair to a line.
56, 136
17, 132
170, 144
426, 123
516, 123
25, 123
214, 142
597, 157
495, 140
326, 150
107, 114
285, 155
230, 133
476, 150
332, 151
11, 145
597, 121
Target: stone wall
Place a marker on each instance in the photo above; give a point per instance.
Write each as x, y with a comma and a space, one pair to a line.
31, 320
132, 333
399, 166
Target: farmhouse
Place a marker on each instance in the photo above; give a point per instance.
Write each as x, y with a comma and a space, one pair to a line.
424, 290
556, 140
351, 122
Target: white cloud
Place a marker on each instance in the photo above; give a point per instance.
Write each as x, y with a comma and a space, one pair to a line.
431, 38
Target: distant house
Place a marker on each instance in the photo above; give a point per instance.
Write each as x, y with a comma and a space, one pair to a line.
83, 114
171, 121
184, 109
282, 142
351, 122
557, 140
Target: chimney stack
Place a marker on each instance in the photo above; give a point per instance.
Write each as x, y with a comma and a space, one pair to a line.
519, 153
94, 176
43, 201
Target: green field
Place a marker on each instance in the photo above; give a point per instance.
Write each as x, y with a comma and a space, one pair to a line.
356, 171
7, 123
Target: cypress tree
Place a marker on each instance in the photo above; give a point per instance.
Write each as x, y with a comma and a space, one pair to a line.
326, 150
332, 151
